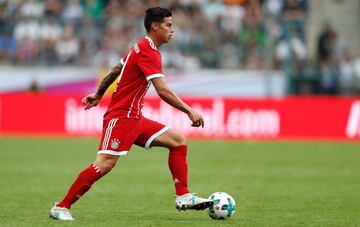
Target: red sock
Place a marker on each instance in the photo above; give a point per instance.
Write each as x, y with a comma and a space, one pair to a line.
179, 169
81, 185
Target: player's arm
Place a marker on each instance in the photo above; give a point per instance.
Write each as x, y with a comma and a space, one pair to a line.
94, 99
170, 97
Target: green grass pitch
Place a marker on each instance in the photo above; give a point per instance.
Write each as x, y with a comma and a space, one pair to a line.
273, 183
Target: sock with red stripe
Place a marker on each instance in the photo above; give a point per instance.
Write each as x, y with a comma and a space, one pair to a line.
179, 169
81, 185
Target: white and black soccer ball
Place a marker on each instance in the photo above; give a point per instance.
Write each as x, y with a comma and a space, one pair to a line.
224, 206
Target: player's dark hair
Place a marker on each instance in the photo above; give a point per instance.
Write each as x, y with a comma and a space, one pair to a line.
155, 14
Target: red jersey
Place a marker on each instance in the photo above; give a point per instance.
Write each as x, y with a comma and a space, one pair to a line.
140, 65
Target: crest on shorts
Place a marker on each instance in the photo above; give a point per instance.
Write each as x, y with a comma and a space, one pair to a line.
115, 143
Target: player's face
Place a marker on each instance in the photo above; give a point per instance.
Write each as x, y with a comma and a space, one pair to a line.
165, 30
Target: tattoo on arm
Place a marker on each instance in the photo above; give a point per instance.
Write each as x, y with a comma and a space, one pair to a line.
108, 80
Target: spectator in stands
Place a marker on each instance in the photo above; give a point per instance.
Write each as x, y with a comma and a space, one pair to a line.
106, 56
252, 38
7, 48
212, 46
27, 28
325, 44
291, 53
27, 51
347, 79
3, 7
53, 8
32, 9
67, 48
73, 11
326, 60
274, 7
50, 33
50, 30
294, 14
213, 9
93, 9
7, 15
113, 8
89, 38
172, 57
231, 19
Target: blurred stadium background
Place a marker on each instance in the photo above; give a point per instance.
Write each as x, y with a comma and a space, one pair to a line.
315, 44
258, 70
240, 55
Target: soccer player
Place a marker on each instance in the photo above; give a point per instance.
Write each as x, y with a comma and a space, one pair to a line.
124, 125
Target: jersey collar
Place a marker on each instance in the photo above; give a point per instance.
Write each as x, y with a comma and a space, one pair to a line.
151, 42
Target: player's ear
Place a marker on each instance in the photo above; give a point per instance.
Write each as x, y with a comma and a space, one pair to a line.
154, 26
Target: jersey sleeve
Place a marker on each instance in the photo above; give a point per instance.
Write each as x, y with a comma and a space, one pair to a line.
149, 63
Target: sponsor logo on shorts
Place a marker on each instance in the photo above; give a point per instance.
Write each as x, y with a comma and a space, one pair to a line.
115, 143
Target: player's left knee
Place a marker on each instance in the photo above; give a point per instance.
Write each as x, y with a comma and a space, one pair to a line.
106, 168
105, 163
180, 140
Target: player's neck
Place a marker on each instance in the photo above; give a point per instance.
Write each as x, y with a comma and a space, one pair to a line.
156, 42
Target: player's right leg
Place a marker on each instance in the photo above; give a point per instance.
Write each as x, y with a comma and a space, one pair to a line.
117, 138
102, 165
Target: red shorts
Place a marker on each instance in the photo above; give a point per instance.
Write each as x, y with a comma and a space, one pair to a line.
119, 134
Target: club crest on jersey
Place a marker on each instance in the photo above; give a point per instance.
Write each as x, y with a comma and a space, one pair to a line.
115, 143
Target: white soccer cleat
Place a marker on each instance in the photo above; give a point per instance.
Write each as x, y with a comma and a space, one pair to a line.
189, 201
60, 213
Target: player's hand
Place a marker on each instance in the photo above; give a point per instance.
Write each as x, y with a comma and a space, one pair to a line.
91, 101
196, 119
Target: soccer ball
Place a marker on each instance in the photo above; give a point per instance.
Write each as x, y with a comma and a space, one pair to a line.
224, 206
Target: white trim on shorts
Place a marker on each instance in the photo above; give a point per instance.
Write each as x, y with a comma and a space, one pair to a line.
149, 141
116, 153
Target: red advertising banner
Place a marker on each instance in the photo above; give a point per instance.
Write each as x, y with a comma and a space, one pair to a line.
229, 118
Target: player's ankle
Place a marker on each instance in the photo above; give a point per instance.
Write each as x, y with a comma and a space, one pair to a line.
63, 204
